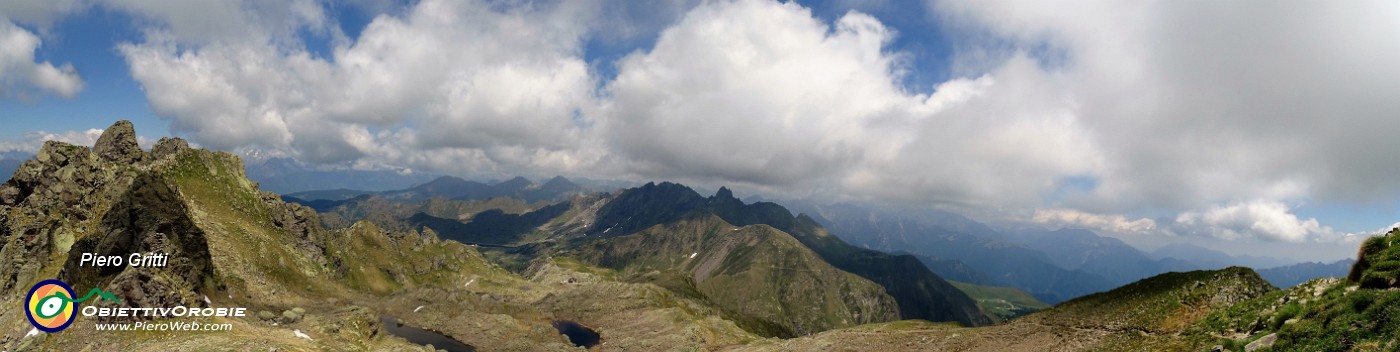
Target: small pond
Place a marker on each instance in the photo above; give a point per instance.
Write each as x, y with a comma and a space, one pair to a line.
423, 336
578, 334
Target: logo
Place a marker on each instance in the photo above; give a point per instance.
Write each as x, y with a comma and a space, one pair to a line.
50, 305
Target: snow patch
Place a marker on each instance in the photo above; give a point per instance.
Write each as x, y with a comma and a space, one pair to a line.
298, 333
692, 255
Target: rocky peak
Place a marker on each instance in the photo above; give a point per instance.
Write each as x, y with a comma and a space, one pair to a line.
560, 183
118, 144
724, 194
514, 184
168, 146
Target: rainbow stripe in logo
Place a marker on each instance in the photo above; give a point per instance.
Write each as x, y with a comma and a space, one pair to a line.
50, 306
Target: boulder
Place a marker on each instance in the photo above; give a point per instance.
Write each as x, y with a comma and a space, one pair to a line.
168, 146
118, 144
1262, 342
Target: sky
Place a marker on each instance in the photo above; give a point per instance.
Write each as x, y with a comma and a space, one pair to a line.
1260, 127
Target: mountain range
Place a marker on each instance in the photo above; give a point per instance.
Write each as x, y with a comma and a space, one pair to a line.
287, 175
1053, 265
448, 187
644, 268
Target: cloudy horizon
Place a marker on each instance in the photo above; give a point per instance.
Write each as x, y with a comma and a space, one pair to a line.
1250, 126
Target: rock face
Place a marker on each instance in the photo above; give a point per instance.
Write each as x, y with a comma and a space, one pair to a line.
168, 146
52, 199
300, 221
150, 218
118, 144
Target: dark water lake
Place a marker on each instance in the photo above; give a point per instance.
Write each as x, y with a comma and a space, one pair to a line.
578, 334
424, 337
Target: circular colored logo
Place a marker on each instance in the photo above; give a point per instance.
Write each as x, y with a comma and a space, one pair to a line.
50, 306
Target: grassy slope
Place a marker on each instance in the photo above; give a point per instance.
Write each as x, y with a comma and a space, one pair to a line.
393, 214
253, 256
1149, 315
1166, 303
760, 277
1005, 302
1360, 313
920, 292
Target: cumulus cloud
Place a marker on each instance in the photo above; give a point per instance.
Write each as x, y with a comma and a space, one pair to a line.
245, 21
752, 91
448, 85
766, 94
1262, 219
20, 73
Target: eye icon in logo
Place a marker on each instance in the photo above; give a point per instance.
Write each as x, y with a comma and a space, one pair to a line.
50, 306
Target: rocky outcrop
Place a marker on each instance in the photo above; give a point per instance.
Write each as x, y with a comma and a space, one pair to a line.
301, 222
168, 146
149, 219
52, 200
118, 144
29, 237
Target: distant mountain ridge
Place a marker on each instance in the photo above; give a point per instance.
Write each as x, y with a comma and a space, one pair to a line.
1002, 263
449, 187
594, 227
920, 292
286, 175
1108, 257
1293, 275
1053, 265
1210, 258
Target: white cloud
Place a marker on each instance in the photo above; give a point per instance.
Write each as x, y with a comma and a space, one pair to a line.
752, 91
448, 85
19, 71
32, 141
1111, 223
1197, 103
766, 94
241, 21
968, 144
1262, 219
